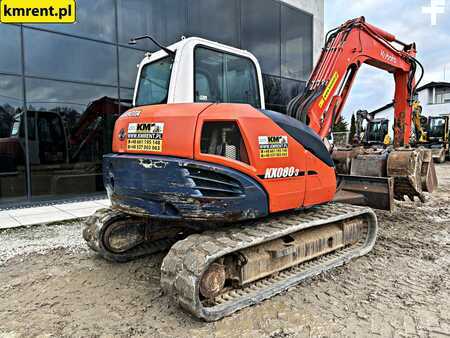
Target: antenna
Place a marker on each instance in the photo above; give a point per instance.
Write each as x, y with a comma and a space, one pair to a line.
133, 41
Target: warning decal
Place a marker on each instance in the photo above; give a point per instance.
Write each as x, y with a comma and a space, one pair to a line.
273, 146
328, 89
145, 136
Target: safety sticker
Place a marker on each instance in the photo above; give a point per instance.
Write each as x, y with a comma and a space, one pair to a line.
273, 146
328, 89
145, 136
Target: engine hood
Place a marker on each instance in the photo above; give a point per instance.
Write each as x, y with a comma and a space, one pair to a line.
167, 129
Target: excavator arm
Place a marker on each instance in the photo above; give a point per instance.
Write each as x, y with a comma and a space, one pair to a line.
347, 48
368, 171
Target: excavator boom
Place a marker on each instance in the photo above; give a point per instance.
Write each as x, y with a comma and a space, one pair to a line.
347, 48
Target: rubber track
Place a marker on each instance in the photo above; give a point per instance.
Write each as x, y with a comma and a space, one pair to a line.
92, 234
187, 260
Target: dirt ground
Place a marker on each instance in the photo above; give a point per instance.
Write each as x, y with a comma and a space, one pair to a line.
52, 286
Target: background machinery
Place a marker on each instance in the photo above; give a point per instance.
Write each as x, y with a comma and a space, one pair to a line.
243, 192
375, 130
65, 148
435, 133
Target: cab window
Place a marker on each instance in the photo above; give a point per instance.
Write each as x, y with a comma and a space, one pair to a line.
224, 77
153, 87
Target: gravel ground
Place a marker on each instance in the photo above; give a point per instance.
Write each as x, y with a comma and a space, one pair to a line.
53, 286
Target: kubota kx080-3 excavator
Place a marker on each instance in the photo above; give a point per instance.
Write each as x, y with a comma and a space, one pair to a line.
241, 194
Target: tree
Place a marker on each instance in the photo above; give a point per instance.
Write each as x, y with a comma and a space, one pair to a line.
341, 125
352, 128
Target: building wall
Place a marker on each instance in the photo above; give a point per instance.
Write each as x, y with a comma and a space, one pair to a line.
316, 8
60, 70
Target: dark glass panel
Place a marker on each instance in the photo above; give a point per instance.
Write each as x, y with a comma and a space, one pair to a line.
69, 164
216, 20
290, 89
64, 96
260, 33
296, 43
278, 92
175, 20
276, 107
67, 58
272, 90
129, 59
95, 19
12, 141
126, 95
137, 17
10, 55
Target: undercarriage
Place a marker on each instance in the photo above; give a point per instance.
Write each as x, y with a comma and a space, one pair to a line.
213, 273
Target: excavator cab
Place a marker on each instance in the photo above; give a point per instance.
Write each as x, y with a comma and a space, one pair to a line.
437, 134
376, 131
437, 129
196, 70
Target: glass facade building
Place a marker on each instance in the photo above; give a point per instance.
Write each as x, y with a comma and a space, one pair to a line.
63, 86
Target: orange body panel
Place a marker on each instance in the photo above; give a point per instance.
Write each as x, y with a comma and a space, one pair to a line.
182, 136
179, 127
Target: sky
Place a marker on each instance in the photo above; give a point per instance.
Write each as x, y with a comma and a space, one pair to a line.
373, 87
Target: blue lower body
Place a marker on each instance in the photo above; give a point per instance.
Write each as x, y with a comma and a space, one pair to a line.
181, 189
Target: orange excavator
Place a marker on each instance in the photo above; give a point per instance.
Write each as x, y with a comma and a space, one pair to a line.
241, 195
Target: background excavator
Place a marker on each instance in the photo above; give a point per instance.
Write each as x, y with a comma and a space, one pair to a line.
375, 131
437, 137
432, 133
240, 193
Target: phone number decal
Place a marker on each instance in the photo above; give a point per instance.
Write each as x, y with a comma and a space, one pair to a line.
273, 146
145, 136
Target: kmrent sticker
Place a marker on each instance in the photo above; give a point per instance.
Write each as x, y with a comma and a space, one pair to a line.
37, 11
145, 136
273, 146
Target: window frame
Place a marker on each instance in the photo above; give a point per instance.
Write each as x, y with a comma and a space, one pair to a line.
200, 45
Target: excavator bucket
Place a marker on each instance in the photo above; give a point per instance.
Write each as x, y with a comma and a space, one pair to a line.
371, 191
405, 166
343, 157
362, 171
